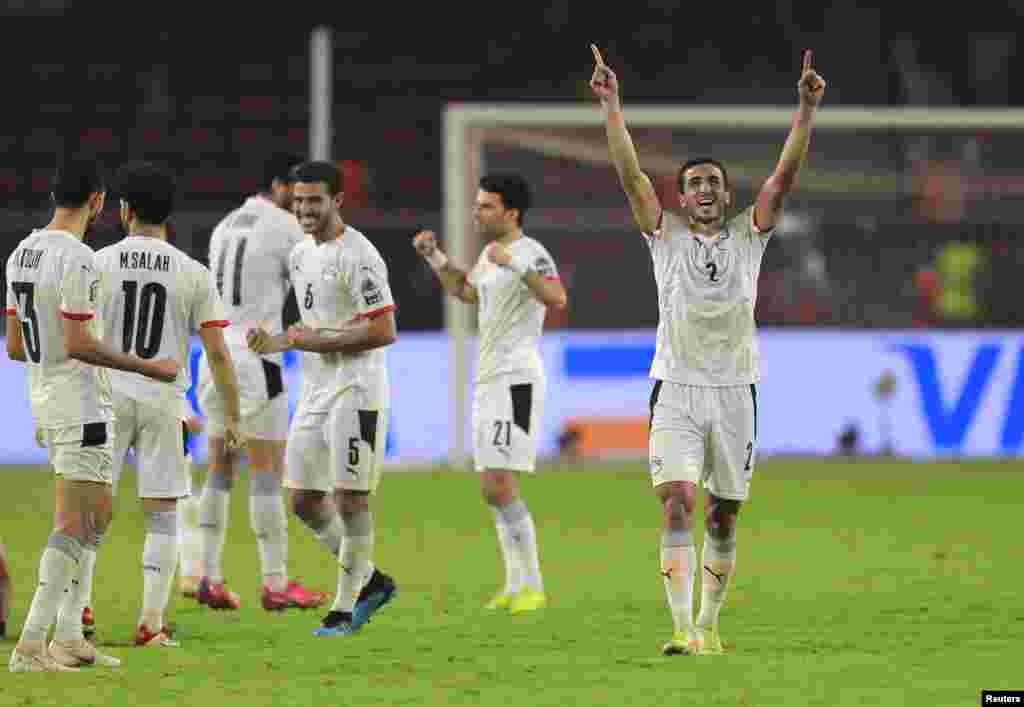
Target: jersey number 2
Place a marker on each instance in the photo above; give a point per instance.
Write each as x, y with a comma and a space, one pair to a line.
151, 306
714, 271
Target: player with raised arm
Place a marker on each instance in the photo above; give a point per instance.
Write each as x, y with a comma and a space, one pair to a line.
706, 367
158, 298
513, 282
249, 252
337, 440
53, 288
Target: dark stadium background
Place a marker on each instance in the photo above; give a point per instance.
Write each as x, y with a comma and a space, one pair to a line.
213, 90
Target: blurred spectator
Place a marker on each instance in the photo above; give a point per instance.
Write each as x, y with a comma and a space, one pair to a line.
959, 263
928, 300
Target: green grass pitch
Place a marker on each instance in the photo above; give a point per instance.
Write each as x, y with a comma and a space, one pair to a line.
858, 583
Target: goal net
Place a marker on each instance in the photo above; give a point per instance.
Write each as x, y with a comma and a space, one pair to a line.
883, 192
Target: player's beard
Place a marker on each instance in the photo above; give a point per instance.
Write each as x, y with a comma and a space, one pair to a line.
716, 214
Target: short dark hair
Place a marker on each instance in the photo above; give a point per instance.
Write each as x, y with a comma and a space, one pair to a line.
148, 189
699, 161
319, 171
75, 180
513, 189
279, 168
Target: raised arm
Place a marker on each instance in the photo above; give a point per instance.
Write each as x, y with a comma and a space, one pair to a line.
455, 281
768, 207
642, 198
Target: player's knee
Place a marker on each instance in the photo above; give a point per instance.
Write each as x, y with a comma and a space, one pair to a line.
678, 499
307, 506
350, 502
499, 488
720, 518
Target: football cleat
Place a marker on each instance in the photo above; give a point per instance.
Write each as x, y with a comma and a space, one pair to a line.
294, 596
88, 623
37, 661
336, 623
73, 654
709, 642
500, 601
215, 596
377, 592
527, 600
682, 643
161, 639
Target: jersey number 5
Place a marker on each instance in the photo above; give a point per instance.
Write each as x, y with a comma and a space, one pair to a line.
151, 306
25, 292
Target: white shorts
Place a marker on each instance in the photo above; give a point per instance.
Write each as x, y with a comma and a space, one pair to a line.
342, 448
158, 439
262, 391
82, 452
507, 413
706, 435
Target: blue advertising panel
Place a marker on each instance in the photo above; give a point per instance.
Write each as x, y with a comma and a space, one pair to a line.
952, 393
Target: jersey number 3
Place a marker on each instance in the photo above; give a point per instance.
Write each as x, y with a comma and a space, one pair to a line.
25, 292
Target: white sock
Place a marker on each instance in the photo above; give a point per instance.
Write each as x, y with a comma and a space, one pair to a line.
69, 618
719, 567
354, 560
57, 566
159, 556
189, 542
678, 560
270, 523
522, 536
213, 524
513, 572
327, 527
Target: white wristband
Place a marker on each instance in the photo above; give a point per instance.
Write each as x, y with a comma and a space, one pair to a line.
437, 259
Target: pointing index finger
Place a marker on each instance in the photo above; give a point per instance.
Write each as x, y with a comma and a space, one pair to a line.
597, 55
808, 61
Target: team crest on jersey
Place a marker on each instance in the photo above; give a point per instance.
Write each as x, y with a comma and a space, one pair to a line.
544, 266
371, 292
331, 272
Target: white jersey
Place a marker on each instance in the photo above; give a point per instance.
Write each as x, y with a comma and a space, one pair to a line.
155, 298
510, 315
52, 277
339, 284
707, 290
249, 253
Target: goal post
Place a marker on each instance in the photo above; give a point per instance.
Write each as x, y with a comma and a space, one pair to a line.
575, 132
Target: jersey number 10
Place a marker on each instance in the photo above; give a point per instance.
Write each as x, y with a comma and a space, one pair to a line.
151, 306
